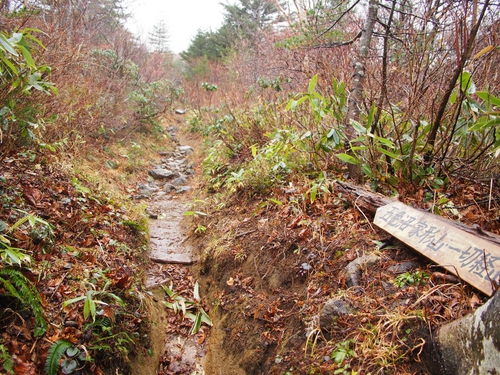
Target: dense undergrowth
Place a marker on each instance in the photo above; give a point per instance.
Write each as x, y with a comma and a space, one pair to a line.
277, 233
80, 102
71, 270
277, 236
80, 108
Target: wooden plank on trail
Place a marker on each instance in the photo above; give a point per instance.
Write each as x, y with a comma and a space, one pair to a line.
473, 259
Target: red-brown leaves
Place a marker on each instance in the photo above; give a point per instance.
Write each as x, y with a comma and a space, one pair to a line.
32, 195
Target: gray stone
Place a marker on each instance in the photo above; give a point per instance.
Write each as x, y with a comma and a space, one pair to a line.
306, 266
172, 259
330, 312
160, 195
172, 166
168, 188
181, 160
166, 153
180, 111
469, 345
180, 181
183, 189
141, 196
403, 267
185, 149
389, 288
146, 189
175, 165
162, 174
357, 266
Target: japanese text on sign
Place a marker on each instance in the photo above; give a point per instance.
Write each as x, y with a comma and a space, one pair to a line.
443, 243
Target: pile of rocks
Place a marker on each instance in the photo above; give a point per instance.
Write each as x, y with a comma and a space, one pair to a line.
171, 176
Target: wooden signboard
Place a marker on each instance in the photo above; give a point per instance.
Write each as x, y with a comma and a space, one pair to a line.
473, 259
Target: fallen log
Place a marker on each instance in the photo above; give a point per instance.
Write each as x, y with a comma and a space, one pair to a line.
369, 202
469, 253
365, 200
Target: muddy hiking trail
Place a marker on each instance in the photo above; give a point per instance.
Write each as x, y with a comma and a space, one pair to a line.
174, 265
291, 286
173, 350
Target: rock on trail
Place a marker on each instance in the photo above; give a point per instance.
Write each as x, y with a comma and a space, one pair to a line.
167, 236
168, 180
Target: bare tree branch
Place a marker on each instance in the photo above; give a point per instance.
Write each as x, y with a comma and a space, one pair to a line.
338, 44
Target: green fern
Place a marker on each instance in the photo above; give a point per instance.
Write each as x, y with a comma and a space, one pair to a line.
6, 359
54, 356
18, 286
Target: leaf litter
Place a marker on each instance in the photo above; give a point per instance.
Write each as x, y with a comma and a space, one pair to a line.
83, 245
265, 272
268, 270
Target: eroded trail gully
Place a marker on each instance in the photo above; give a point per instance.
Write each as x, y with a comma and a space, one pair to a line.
173, 349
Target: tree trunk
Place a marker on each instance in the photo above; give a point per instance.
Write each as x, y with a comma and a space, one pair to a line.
358, 80
284, 13
470, 345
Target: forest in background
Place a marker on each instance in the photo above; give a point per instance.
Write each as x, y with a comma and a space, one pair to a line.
401, 96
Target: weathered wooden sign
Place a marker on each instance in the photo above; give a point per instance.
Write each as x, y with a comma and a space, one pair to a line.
473, 259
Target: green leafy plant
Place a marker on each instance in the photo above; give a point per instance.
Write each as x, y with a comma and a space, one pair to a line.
326, 113
194, 213
342, 352
190, 309
274, 83
118, 342
414, 278
209, 87
149, 101
6, 359
16, 285
19, 75
90, 302
65, 356
200, 229
483, 115
319, 185
15, 256
269, 202
12, 255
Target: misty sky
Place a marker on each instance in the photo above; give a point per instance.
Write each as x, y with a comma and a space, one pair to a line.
183, 18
